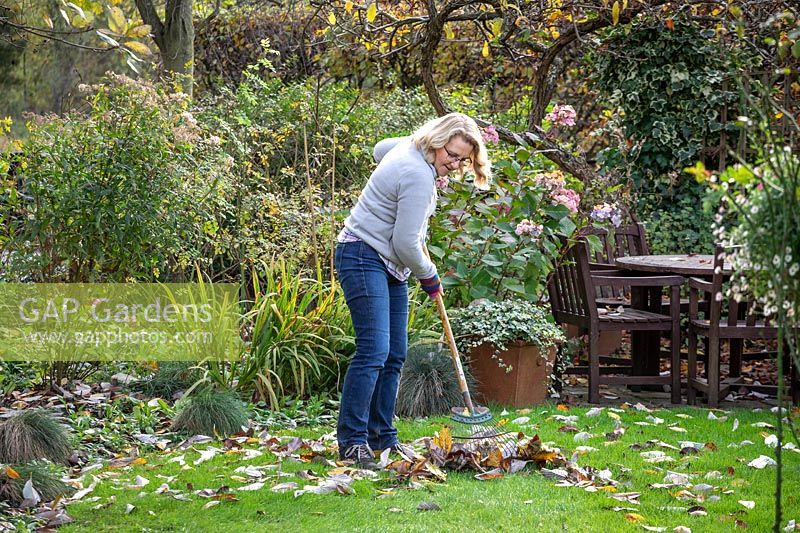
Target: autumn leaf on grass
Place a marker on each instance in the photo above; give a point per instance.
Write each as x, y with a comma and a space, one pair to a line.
11, 473
495, 473
494, 458
545, 456
444, 440
630, 497
634, 517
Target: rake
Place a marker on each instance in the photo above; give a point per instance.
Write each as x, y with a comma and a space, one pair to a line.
484, 432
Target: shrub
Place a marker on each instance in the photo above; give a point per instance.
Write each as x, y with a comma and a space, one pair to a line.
299, 334
31, 435
42, 476
500, 243
211, 412
428, 384
131, 189
169, 378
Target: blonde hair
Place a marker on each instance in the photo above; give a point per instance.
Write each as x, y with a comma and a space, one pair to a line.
436, 133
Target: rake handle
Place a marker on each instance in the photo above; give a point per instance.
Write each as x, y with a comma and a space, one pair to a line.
451, 342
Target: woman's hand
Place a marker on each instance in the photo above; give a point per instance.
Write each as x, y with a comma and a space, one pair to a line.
432, 286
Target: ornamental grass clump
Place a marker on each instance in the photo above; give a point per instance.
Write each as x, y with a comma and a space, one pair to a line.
501, 323
43, 477
32, 435
428, 385
211, 412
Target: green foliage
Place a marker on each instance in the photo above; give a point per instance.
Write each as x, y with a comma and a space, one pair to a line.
169, 378
765, 198
132, 190
34, 434
500, 323
428, 385
682, 225
671, 86
43, 476
283, 200
269, 123
16, 376
299, 334
474, 235
211, 412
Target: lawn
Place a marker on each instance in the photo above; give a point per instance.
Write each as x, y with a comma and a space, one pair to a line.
719, 478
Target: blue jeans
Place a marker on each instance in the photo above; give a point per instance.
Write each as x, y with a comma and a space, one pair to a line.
378, 305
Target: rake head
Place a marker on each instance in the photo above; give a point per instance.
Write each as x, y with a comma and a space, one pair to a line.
483, 434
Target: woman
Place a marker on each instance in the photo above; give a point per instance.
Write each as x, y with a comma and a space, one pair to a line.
381, 244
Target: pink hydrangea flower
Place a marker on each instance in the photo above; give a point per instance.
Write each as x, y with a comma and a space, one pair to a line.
490, 135
562, 115
568, 198
442, 182
526, 227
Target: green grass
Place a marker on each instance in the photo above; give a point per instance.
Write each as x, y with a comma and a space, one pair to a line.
469, 504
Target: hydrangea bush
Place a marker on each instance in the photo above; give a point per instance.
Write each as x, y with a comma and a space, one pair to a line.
501, 243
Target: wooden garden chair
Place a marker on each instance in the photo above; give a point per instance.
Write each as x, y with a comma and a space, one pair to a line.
572, 288
625, 240
726, 320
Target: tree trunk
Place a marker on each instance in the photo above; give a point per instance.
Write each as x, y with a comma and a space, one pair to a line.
178, 50
174, 37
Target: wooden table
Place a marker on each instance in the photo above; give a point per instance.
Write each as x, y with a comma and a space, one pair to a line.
649, 299
680, 264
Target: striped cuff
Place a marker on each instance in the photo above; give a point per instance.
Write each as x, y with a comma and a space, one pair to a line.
431, 285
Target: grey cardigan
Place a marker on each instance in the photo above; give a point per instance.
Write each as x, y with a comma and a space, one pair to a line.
392, 213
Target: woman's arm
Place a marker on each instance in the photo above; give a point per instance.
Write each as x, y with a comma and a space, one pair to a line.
412, 211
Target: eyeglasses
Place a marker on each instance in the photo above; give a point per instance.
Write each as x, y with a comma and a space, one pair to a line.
455, 158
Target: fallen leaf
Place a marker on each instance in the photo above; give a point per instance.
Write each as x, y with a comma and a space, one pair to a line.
139, 483
634, 517
761, 462
11, 473
212, 503
495, 473
284, 487
698, 510
253, 486
129, 508
428, 506
30, 495
682, 529
748, 504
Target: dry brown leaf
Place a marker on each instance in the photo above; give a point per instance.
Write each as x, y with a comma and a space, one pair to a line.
11, 473
495, 473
